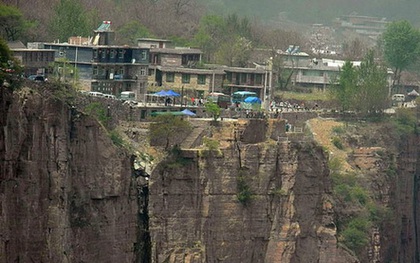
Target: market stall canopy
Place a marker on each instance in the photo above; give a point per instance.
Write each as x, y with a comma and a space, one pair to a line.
161, 93
413, 93
253, 100
188, 112
172, 93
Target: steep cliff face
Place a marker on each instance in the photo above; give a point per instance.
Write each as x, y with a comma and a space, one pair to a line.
266, 201
67, 194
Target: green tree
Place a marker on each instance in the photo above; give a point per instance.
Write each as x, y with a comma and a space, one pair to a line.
70, 20
372, 90
128, 33
10, 69
12, 24
343, 92
401, 47
209, 35
234, 52
363, 89
213, 109
168, 128
225, 40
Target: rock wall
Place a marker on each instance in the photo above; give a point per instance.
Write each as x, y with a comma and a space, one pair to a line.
67, 194
251, 202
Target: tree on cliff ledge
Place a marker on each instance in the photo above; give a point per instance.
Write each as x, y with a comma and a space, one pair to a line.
363, 89
168, 129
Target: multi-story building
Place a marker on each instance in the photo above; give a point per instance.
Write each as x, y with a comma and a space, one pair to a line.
118, 68
102, 66
182, 69
34, 59
249, 79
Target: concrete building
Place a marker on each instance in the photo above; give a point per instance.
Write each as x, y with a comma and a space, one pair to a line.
34, 59
102, 66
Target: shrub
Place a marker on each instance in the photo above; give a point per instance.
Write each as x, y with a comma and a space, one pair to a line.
116, 138
356, 235
210, 144
244, 191
99, 111
337, 143
338, 129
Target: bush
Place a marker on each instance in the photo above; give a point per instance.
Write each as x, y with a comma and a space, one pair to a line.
337, 143
338, 129
356, 235
405, 121
244, 190
99, 111
116, 138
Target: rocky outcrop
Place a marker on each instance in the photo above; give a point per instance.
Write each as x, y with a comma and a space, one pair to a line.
67, 194
252, 202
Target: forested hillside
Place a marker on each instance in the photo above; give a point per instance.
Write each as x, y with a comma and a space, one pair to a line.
181, 18
319, 11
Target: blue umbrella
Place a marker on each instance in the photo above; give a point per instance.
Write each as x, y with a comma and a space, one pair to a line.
172, 93
188, 112
253, 100
161, 93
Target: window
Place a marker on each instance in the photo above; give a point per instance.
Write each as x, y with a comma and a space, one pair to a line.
143, 71
112, 53
120, 53
103, 53
95, 71
170, 77
258, 79
143, 55
95, 53
201, 79
185, 78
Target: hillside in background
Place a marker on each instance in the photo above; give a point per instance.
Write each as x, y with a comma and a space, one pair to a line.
320, 11
181, 18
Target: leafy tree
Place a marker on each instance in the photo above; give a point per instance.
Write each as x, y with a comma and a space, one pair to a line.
364, 88
70, 20
235, 52
209, 35
401, 47
344, 90
225, 40
12, 23
213, 109
168, 128
10, 69
129, 32
372, 89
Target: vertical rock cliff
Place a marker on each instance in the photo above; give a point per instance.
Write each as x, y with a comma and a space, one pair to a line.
67, 194
257, 200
